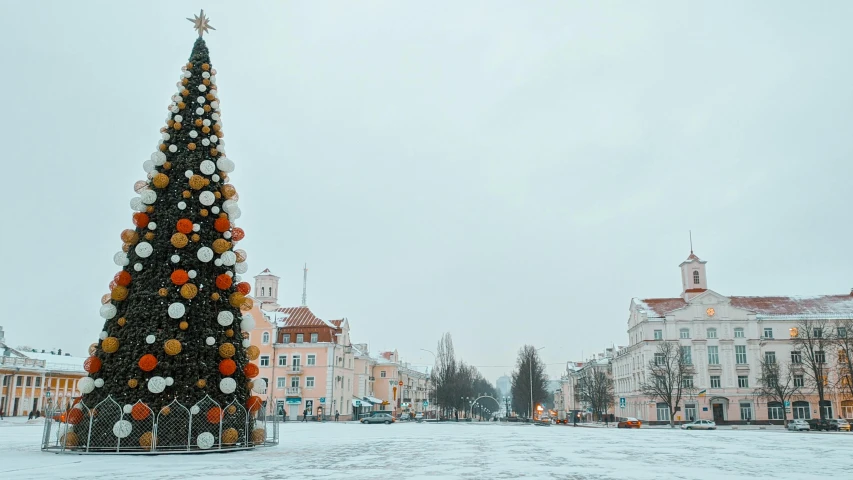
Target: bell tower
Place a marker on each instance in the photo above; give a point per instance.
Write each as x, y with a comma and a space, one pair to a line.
693, 280
266, 290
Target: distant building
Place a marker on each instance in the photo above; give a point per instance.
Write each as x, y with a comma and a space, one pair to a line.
504, 386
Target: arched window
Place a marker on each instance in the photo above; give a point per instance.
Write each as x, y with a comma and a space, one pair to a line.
262, 291
696, 277
266, 338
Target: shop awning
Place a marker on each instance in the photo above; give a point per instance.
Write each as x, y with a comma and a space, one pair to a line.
373, 400
364, 403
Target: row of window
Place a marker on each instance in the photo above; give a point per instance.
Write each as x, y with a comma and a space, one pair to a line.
712, 333
741, 358
311, 359
19, 380
775, 411
300, 338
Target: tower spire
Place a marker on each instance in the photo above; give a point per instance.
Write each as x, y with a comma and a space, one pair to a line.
691, 241
305, 286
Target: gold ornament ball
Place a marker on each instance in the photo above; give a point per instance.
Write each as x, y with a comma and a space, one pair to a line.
206, 108
132, 383
213, 152
226, 350
146, 440
162, 147
119, 293
198, 122
93, 349
236, 299
149, 209
196, 237
196, 182
205, 66
165, 411
228, 190
230, 436
252, 352
229, 333
110, 345
162, 292
214, 296
206, 82
220, 245
186, 194
205, 129
185, 82
121, 322
184, 325
69, 439
182, 105
209, 97
149, 236
203, 212
172, 347
177, 126
189, 291
167, 165
217, 195
231, 409
179, 240
258, 435
201, 383
191, 146
245, 335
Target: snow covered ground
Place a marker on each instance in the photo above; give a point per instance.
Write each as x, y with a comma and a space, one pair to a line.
466, 451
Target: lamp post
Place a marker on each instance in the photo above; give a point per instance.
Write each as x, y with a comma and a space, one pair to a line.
530, 416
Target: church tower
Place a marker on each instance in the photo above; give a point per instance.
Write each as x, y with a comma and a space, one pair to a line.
266, 290
693, 281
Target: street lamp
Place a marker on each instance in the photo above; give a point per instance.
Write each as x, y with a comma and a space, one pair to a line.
531, 381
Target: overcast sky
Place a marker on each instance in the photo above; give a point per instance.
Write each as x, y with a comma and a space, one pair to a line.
509, 172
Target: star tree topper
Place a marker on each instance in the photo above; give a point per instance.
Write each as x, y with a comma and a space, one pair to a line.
201, 23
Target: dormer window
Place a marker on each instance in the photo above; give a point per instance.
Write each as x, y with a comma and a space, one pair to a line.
696, 277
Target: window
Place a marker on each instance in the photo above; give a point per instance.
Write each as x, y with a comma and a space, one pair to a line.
769, 357
796, 357
309, 382
819, 356
684, 333
285, 338
768, 332
313, 338
294, 382
265, 360
712, 333
297, 360
660, 359
281, 382
687, 381
382, 374
740, 354
262, 291
817, 332
18, 381
690, 411
38, 381
842, 332
687, 355
774, 411
738, 333
715, 381
29, 381
746, 411
742, 381
266, 338
282, 360
299, 338
801, 410
658, 334
695, 277
713, 355
312, 359
799, 381
663, 412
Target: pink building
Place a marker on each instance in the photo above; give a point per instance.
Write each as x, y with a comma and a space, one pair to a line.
726, 339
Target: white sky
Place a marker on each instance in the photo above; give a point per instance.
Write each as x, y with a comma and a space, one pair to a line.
511, 172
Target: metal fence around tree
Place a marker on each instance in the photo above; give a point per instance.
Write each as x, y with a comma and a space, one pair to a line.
110, 427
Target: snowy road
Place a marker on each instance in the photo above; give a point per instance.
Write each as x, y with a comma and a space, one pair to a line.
466, 451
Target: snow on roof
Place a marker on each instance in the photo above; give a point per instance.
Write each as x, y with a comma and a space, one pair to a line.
58, 362
819, 305
302, 317
266, 272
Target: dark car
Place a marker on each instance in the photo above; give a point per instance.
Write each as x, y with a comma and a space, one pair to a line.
819, 424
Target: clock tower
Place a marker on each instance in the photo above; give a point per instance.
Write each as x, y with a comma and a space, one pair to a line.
693, 281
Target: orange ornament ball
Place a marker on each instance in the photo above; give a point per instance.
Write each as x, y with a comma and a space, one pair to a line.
214, 415
185, 225
140, 219
223, 282
244, 288
227, 367
180, 277
254, 403
221, 225
75, 416
92, 364
122, 278
140, 412
251, 370
148, 362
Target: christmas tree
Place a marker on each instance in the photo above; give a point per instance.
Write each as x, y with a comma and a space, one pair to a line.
173, 347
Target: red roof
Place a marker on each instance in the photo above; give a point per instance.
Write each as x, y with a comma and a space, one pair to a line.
301, 317
822, 304
337, 323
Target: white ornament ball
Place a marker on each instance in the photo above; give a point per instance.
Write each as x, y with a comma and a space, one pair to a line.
247, 323
247, 343
205, 440
241, 267
158, 157
229, 273
238, 279
173, 148
206, 198
176, 258
208, 167
179, 118
205, 122
143, 249
194, 410
200, 100
165, 136
202, 88
225, 318
205, 254
189, 174
108, 311
192, 273
210, 341
152, 226
122, 429
218, 262
137, 267
214, 104
177, 310
182, 205
148, 196
136, 204
174, 109
259, 385
99, 383
199, 111
205, 74
226, 235
187, 74
196, 227
214, 139
227, 385
215, 210
225, 164
156, 384
193, 134
103, 335
215, 117
214, 177
120, 259
235, 213
170, 381
228, 258
150, 339
86, 385
127, 408
148, 166
205, 142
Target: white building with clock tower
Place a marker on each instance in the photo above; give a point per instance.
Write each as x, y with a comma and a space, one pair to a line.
725, 338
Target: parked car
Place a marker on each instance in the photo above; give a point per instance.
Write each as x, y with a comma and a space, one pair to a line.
405, 416
839, 425
629, 422
419, 416
699, 425
379, 418
798, 425
819, 424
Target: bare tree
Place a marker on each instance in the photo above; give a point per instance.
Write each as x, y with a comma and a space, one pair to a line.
524, 385
812, 339
776, 383
844, 342
671, 377
595, 390
444, 375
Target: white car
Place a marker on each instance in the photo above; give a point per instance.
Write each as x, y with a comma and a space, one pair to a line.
798, 425
699, 425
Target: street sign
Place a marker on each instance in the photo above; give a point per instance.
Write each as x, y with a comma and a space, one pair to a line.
401, 383
622, 403
588, 410
787, 403
322, 399
426, 403
357, 403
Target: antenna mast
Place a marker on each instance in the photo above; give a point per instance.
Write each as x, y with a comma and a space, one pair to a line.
691, 241
305, 286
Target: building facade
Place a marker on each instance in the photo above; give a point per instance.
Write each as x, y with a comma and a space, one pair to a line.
725, 339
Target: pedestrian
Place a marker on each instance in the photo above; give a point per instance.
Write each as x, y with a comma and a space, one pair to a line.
457, 415
576, 417
606, 420
305, 415
1, 413
336, 415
